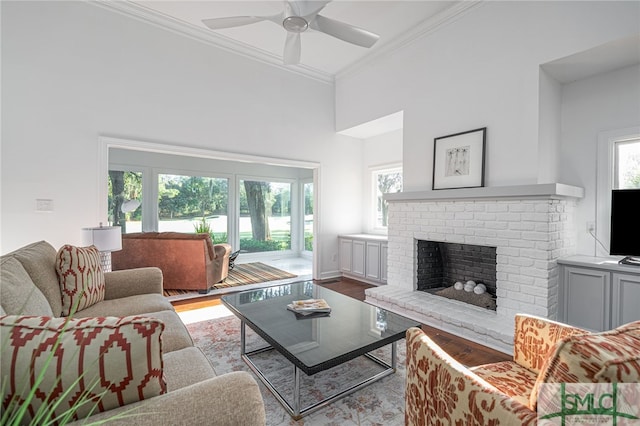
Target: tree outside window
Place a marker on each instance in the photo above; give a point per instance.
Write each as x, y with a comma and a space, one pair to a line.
124, 200
265, 216
193, 204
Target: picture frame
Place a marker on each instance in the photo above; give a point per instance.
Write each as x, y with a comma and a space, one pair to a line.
458, 160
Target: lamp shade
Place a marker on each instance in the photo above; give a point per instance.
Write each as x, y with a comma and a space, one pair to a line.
105, 238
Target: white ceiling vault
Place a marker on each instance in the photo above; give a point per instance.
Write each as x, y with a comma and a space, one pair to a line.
397, 22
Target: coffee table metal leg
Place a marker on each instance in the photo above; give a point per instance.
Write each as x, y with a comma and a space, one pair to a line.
296, 392
394, 355
242, 338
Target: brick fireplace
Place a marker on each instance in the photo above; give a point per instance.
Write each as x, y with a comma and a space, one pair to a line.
529, 226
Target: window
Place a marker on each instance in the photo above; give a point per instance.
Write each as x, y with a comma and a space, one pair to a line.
265, 216
125, 200
618, 168
193, 204
626, 167
385, 181
308, 216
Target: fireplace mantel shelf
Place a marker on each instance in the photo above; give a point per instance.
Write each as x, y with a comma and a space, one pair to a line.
543, 190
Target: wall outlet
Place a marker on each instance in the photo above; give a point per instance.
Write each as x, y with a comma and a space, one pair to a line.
591, 227
334, 257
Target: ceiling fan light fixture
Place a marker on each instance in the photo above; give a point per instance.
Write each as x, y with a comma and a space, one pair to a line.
295, 24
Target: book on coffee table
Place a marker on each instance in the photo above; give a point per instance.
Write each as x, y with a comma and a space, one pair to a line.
310, 315
309, 306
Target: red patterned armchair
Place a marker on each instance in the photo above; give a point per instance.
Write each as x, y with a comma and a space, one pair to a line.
441, 391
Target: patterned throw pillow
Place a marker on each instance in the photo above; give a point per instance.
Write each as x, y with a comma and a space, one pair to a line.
608, 357
535, 339
104, 362
81, 277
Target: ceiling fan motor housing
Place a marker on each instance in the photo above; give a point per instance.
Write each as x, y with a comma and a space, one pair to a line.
295, 24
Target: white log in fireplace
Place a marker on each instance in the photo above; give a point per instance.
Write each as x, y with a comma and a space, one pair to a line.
530, 226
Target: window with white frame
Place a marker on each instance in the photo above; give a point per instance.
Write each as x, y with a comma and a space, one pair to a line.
618, 168
626, 167
384, 181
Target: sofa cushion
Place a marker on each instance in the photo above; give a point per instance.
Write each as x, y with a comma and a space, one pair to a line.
132, 305
81, 277
608, 357
114, 361
510, 378
175, 336
18, 293
186, 367
39, 260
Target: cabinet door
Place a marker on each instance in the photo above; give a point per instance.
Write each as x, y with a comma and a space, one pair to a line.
357, 258
384, 248
373, 260
345, 255
587, 298
626, 299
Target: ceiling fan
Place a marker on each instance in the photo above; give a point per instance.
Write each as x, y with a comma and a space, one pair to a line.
297, 17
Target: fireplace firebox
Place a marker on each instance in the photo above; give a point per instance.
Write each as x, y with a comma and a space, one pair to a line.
440, 265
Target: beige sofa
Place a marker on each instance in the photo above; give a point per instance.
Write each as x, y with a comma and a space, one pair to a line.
194, 394
187, 261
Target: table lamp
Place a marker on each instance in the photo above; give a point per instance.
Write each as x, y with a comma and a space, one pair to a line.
106, 239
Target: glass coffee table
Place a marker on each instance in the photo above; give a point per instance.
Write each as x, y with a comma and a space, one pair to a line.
353, 329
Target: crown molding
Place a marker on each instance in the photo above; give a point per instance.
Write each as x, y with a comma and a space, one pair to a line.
422, 29
204, 35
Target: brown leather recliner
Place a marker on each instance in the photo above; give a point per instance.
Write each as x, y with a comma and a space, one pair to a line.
187, 261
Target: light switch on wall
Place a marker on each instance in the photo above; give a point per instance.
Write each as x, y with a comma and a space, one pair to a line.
44, 205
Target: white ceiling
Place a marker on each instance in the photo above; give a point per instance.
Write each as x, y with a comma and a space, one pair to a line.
391, 20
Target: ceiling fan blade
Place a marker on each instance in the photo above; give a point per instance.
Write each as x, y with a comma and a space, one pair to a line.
310, 8
292, 49
344, 32
231, 21
292, 8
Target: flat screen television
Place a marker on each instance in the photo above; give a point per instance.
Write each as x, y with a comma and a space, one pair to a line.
625, 225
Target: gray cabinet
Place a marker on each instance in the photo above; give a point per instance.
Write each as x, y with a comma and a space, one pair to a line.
586, 298
373, 256
626, 293
364, 257
346, 247
358, 258
598, 294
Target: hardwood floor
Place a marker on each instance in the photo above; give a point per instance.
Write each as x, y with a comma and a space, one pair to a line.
464, 351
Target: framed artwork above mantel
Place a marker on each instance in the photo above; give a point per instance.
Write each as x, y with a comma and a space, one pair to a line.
458, 160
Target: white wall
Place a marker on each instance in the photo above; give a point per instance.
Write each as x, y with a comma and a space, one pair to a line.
601, 103
379, 151
72, 71
549, 113
481, 70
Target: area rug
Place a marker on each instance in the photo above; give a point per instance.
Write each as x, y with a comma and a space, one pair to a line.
380, 403
243, 274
